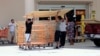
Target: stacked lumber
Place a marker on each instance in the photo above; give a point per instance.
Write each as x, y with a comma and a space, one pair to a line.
42, 32
20, 34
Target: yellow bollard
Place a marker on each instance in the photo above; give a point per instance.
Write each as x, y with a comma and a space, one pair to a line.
82, 27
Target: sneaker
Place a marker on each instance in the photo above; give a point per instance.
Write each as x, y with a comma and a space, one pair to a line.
61, 46
25, 48
11, 42
56, 47
30, 48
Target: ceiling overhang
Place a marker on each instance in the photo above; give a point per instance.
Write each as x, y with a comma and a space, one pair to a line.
64, 2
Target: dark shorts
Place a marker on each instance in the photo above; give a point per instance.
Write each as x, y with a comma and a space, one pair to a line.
57, 36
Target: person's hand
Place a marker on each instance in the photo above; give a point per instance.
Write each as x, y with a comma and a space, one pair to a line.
58, 12
32, 19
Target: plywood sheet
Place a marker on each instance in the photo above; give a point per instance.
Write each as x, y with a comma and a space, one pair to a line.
37, 14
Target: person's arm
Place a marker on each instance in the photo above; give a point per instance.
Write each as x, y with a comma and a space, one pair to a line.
32, 20
66, 20
26, 23
56, 17
9, 25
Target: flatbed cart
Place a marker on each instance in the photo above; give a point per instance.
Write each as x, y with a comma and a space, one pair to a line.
38, 41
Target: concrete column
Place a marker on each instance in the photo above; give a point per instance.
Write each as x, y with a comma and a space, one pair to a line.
97, 10
29, 6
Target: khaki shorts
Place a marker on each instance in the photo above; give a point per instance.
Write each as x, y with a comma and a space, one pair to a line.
12, 33
27, 37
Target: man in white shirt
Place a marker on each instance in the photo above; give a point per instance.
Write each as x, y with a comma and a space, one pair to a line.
62, 28
12, 26
60, 33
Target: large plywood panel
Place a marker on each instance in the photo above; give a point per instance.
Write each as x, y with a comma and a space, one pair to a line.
37, 14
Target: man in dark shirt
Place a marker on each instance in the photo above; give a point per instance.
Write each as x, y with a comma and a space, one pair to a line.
28, 25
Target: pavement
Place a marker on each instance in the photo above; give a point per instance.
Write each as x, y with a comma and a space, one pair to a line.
78, 49
83, 45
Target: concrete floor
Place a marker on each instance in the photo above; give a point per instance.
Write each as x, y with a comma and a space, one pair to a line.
79, 49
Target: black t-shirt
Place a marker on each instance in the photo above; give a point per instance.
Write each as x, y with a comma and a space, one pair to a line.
28, 27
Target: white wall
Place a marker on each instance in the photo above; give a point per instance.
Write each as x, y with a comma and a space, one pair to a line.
11, 9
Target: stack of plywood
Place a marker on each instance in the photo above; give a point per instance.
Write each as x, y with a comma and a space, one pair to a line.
50, 33
20, 34
38, 35
50, 30
42, 32
20, 30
